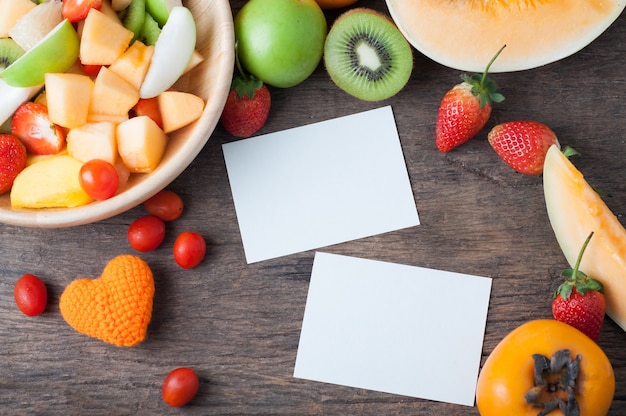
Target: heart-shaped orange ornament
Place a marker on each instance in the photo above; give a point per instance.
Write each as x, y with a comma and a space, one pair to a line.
116, 307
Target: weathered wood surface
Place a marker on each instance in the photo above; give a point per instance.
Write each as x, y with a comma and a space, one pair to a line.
239, 324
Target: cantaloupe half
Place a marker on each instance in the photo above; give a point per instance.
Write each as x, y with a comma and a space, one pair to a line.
465, 34
575, 210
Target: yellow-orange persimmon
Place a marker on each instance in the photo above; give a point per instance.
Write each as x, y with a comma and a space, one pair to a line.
334, 4
535, 366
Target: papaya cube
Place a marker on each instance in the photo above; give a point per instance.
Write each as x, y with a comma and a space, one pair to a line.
112, 94
133, 64
140, 144
103, 39
10, 12
179, 109
93, 141
68, 97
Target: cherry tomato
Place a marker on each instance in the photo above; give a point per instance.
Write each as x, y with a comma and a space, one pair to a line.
180, 386
31, 295
99, 179
189, 249
166, 205
146, 233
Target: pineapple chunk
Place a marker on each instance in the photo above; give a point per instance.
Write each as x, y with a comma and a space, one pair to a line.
141, 144
10, 12
133, 64
179, 109
93, 141
49, 183
112, 94
103, 40
68, 96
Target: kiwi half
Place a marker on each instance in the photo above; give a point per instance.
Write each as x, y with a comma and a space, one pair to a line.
9, 52
150, 30
366, 55
133, 17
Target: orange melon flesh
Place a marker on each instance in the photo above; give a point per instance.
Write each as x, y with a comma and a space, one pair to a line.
575, 210
466, 34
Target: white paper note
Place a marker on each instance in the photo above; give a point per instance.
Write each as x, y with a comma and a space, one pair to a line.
320, 184
393, 328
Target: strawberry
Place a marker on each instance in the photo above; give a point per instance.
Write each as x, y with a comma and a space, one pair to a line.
579, 301
12, 160
33, 127
465, 109
523, 144
247, 105
77, 10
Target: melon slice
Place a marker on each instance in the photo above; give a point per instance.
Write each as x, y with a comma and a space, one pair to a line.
465, 34
575, 210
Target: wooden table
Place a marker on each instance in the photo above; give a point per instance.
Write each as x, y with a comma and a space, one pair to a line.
238, 325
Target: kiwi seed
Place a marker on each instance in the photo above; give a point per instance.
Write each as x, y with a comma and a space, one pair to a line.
9, 52
366, 55
133, 17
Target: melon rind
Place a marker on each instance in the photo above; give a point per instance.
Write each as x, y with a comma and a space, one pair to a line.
466, 34
575, 210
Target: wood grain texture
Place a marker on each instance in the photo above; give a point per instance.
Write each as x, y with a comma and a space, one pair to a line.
238, 325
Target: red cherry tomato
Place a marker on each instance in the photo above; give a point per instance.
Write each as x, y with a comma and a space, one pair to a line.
189, 249
180, 386
166, 205
31, 295
146, 233
99, 179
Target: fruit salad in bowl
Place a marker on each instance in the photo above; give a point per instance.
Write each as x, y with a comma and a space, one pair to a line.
109, 100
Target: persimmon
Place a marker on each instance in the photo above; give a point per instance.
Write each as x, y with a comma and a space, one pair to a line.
334, 4
544, 365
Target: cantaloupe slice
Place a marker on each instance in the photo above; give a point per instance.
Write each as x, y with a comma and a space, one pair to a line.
575, 210
465, 34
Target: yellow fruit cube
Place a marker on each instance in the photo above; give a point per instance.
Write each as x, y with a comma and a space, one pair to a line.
93, 141
68, 97
50, 183
141, 144
179, 109
103, 39
112, 94
10, 13
133, 64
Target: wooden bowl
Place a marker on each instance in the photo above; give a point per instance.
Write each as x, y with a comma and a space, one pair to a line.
210, 80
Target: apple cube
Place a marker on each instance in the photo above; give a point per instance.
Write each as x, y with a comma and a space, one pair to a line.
133, 64
140, 144
112, 94
179, 109
68, 96
93, 141
103, 40
10, 12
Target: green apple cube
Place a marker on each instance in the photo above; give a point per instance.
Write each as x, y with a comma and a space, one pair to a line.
56, 52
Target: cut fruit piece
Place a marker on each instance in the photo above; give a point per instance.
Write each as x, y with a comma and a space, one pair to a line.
56, 52
112, 94
134, 16
575, 210
196, 59
36, 24
133, 64
13, 97
367, 56
52, 182
103, 40
68, 97
140, 144
93, 141
161, 9
9, 52
179, 109
464, 34
172, 52
150, 30
10, 12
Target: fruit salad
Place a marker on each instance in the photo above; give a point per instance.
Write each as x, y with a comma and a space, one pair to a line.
91, 80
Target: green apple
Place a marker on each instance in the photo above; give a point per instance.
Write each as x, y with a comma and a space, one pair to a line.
56, 52
280, 41
160, 9
13, 97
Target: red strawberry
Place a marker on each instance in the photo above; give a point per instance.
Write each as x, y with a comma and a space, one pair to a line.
247, 105
12, 160
77, 10
465, 109
33, 127
523, 144
579, 301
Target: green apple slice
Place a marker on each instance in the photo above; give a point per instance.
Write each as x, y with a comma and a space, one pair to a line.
160, 9
13, 97
56, 52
